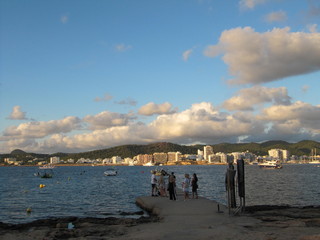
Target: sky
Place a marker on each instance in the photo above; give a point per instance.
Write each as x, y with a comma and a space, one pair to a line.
82, 75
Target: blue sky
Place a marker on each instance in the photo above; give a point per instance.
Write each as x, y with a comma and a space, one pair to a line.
86, 75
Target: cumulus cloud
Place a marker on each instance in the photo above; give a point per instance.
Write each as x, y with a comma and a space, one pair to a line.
264, 57
186, 54
153, 108
307, 114
202, 122
250, 4
279, 16
246, 98
17, 114
41, 129
106, 97
107, 119
296, 121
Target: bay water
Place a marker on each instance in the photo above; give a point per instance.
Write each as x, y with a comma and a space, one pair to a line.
84, 191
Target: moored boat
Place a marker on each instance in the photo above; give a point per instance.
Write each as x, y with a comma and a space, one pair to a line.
271, 165
110, 172
148, 164
47, 166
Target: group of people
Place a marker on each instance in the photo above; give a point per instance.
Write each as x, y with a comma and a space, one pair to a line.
160, 187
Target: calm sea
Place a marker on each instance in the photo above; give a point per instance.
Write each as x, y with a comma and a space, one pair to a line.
86, 192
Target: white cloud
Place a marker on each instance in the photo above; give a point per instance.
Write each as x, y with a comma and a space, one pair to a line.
264, 57
41, 129
246, 98
279, 16
202, 122
306, 114
17, 114
107, 119
106, 97
186, 54
153, 108
122, 47
250, 4
298, 121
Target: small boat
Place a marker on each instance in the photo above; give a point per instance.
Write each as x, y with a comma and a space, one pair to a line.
47, 173
47, 166
110, 172
148, 164
271, 165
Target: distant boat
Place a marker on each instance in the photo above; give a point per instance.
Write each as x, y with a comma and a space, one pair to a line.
148, 164
110, 172
46, 173
314, 162
47, 166
271, 164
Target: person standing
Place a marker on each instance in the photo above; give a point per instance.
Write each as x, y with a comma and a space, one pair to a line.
153, 184
194, 184
162, 186
186, 186
172, 186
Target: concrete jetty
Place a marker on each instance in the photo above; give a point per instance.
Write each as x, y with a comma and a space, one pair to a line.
192, 219
200, 219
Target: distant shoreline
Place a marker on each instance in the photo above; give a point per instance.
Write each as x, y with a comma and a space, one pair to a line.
109, 165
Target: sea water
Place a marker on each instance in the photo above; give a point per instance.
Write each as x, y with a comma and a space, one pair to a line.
86, 192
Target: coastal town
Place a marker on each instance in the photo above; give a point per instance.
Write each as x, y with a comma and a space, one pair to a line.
205, 156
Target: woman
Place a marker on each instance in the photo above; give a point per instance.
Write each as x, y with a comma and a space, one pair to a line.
194, 184
162, 186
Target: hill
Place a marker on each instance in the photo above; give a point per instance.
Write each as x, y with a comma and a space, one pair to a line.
301, 148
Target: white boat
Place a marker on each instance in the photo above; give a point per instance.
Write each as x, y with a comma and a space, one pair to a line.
148, 164
47, 166
110, 172
271, 164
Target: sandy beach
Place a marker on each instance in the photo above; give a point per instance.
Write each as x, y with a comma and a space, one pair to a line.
190, 219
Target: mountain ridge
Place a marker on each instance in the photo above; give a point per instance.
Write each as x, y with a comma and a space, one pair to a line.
130, 150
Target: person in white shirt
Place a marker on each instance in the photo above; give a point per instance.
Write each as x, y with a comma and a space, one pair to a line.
186, 186
153, 184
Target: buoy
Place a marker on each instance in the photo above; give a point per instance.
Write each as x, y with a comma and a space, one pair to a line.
42, 186
29, 210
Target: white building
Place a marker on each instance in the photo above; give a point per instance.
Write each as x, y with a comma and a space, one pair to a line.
279, 154
116, 160
207, 151
236, 156
223, 157
54, 160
